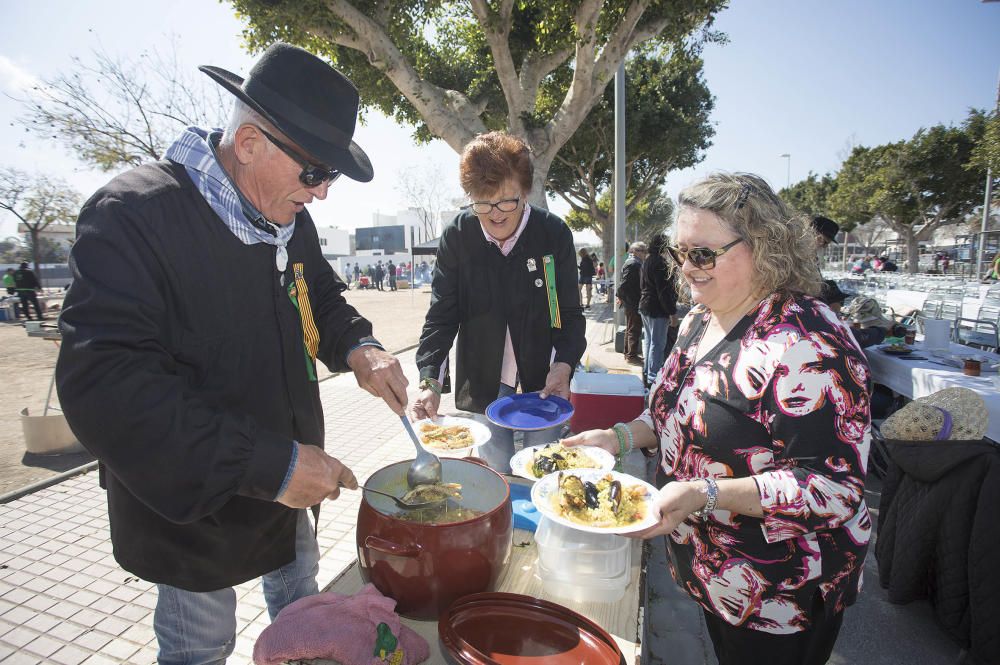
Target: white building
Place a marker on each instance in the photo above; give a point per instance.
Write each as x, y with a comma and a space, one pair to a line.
334, 242
61, 234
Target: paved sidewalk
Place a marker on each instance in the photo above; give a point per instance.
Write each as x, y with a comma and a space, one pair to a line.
63, 599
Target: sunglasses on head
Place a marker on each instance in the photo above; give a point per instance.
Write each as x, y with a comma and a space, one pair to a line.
312, 175
503, 205
700, 257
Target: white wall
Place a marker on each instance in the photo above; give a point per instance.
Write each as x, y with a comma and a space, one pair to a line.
334, 241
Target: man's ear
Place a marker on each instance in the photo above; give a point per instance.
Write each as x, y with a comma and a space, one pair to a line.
248, 143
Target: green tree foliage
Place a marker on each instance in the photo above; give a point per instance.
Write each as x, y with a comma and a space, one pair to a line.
913, 186
667, 106
652, 214
986, 153
455, 69
811, 197
49, 251
37, 201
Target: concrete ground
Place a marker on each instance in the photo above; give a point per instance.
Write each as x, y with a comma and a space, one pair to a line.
64, 600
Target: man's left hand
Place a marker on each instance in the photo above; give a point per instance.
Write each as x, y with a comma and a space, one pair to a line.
379, 373
557, 381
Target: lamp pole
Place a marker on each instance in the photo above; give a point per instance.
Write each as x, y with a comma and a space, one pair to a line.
788, 172
987, 202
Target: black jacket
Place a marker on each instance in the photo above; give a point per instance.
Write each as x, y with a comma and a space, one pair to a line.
939, 537
631, 290
477, 293
658, 297
587, 269
25, 280
183, 370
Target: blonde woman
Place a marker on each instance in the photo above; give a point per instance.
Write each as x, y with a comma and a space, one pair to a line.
761, 414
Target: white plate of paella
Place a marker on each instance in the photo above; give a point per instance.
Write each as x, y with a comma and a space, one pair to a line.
534, 462
451, 436
597, 501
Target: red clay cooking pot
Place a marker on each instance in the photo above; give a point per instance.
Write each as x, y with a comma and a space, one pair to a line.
425, 567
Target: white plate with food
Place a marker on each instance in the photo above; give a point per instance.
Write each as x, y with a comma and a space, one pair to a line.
451, 436
534, 462
584, 499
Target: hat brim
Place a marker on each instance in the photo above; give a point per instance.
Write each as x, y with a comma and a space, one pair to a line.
351, 161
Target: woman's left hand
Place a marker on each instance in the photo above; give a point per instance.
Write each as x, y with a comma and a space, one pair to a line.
557, 381
675, 502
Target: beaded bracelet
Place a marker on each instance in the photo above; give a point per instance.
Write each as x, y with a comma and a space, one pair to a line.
621, 445
428, 383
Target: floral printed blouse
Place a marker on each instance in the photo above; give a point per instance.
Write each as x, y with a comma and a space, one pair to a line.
784, 399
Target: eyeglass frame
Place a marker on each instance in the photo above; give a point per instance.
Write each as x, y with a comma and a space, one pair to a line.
308, 174
516, 201
710, 254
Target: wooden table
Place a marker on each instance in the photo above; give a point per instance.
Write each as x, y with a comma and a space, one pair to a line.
621, 619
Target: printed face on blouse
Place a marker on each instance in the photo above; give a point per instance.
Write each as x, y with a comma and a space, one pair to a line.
757, 360
803, 379
730, 283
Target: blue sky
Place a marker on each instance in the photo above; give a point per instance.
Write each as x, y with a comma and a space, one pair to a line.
802, 77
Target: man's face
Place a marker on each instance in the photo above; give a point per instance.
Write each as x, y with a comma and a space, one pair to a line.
274, 187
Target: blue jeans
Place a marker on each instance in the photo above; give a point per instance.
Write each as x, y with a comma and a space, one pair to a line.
654, 341
200, 628
500, 448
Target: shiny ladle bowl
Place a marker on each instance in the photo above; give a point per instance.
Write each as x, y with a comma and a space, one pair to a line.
426, 468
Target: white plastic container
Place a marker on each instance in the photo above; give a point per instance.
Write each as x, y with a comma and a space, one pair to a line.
582, 566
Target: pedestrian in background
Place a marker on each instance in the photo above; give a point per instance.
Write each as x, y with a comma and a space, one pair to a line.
657, 307
28, 286
629, 294
587, 272
390, 271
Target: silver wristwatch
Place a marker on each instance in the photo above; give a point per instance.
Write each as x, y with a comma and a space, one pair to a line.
712, 489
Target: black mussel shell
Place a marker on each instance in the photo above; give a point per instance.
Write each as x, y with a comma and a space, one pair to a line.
615, 495
590, 493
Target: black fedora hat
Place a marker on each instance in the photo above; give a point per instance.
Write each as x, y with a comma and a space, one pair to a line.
312, 104
826, 227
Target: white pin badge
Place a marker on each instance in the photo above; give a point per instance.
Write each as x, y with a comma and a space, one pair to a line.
531, 265
538, 282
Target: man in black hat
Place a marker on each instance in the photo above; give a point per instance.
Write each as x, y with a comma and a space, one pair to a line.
200, 305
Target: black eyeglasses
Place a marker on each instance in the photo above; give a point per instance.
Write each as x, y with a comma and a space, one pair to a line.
700, 257
312, 175
503, 205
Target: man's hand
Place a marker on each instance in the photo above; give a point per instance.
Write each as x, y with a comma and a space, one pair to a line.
426, 405
557, 381
317, 476
379, 373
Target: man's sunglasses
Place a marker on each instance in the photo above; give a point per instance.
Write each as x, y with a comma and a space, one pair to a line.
312, 175
504, 205
700, 257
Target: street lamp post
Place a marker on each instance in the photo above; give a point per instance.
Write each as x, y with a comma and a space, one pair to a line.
788, 173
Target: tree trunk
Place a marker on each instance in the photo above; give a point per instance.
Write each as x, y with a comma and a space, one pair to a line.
33, 231
912, 252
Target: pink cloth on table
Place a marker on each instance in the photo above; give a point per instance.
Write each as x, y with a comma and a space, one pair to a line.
337, 627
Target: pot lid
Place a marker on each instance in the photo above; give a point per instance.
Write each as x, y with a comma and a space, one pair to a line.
512, 629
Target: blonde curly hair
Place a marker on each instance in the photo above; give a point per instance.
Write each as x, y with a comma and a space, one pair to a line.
783, 244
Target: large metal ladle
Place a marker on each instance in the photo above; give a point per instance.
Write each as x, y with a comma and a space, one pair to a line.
426, 468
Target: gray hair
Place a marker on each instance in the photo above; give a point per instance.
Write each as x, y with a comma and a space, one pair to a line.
241, 115
782, 244
638, 246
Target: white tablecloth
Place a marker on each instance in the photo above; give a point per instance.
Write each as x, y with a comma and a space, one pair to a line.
919, 378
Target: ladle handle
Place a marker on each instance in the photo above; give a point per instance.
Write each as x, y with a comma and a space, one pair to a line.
413, 435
